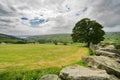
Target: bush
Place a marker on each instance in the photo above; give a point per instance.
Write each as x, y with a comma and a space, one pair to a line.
41, 41
55, 42
64, 43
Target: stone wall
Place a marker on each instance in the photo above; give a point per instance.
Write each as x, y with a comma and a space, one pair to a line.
104, 65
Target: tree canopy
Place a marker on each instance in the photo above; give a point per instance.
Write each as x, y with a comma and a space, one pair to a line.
88, 31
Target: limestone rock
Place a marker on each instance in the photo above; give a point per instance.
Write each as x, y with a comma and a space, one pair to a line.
106, 53
50, 77
77, 72
110, 50
110, 47
105, 63
115, 54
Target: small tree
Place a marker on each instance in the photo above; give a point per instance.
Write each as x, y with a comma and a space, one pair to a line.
64, 43
88, 31
55, 42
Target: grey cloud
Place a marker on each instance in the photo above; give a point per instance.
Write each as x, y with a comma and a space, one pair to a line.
106, 11
6, 21
7, 10
61, 15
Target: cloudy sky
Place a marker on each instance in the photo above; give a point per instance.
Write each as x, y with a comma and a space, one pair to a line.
37, 17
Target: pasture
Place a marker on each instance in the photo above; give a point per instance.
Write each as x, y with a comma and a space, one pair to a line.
31, 61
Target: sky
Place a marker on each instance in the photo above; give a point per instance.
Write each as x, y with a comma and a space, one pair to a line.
40, 17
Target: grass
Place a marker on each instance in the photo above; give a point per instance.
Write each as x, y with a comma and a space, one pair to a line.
31, 61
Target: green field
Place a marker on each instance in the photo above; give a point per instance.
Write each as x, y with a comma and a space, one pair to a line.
31, 61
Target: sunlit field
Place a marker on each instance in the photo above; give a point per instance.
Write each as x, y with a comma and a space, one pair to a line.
31, 57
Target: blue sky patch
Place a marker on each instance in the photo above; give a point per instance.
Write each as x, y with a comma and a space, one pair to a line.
36, 22
24, 18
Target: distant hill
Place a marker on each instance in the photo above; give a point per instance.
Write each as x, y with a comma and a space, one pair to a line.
9, 38
52, 37
110, 37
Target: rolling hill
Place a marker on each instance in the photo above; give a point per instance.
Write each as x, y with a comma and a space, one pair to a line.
52, 37
110, 37
9, 38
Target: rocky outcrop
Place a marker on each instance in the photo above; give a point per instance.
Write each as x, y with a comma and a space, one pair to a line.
105, 53
115, 56
110, 47
104, 66
77, 72
108, 51
50, 77
105, 63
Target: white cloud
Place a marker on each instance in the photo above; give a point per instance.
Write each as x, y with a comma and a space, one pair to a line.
61, 15
112, 29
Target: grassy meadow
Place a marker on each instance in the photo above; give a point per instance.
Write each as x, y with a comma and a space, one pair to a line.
31, 61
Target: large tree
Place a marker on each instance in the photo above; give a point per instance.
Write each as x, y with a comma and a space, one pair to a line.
88, 31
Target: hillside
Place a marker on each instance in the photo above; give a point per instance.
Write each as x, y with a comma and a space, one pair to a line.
52, 37
9, 38
110, 37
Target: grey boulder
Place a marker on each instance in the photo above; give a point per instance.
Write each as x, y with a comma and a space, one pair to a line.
106, 53
77, 72
110, 47
105, 63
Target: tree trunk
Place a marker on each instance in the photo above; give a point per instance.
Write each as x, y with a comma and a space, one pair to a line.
88, 44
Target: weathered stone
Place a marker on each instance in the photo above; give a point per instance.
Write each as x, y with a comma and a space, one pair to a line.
106, 53
110, 50
114, 54
106, 63
50, 77
110, 47
77, 72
